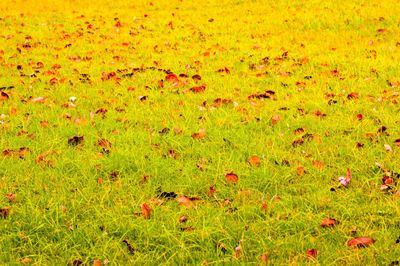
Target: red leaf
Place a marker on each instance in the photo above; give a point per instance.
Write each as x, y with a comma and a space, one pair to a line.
146, 210
360, 242
232, 178
173, 79
312, 253
198, 89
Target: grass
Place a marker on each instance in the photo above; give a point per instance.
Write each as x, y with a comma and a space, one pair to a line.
81, 204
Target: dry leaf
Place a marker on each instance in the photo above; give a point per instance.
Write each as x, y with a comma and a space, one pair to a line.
360, 242
312, 253
275, 119
146, 210
199, 135
328, 222
254, 161
232, 178
4, 212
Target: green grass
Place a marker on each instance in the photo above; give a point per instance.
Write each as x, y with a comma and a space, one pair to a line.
318, 53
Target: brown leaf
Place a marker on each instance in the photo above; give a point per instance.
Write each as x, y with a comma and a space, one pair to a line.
254, 161
299, 131
232, 178
360, 242
328, 222
187, 202
11, 197
4, 96
105, 144
198, 89
318, 165
297, 142
353, 95
183, 219
4, 212
199, 135
76, 140
211, 191
146, 210
300, 170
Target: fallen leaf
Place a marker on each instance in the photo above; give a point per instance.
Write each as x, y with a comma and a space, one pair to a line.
199, 135
146, 210
96, 263
4, 96
187, 202
131, 249
312, 253
275, 119
11, 197
254, 161
232, 178
105, 144
4, 212
360, 242
318, 165
198, 89
76, 140
264, 257
328, 222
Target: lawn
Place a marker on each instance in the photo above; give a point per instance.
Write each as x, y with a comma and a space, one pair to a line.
199, 132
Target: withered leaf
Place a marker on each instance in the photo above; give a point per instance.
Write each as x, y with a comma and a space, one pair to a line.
105, 144
4, 96
146, 210
328, 222
76, 140
360, 242
312, 253
232, 178
131, 249
254, 160
199, 135
4, 212
197, 89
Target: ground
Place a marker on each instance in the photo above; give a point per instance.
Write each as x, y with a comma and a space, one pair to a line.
199, 132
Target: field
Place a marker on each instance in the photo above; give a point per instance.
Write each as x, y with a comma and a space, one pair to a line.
199, 132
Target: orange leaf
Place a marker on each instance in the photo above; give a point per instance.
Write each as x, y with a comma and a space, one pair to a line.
199, 135
254, 161
300, 170
360, 242
275, 119
232, 178
187, 202
96, 263
4, 96
146, 210
328, 222
198, 89
318, 165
